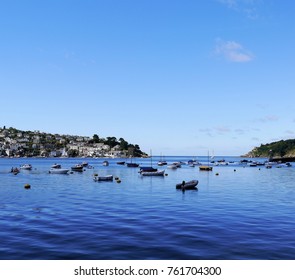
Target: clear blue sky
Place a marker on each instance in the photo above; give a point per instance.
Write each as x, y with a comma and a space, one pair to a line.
178, 77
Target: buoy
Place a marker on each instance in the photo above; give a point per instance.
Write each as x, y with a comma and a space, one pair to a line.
235, 170
118, 181
27, 186
166, 174
117, 178
217, 174
95, 174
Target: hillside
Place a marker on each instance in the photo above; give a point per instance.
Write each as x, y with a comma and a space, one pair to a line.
282, 148
19, 143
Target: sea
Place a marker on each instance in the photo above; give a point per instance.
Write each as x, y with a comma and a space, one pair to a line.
238, 212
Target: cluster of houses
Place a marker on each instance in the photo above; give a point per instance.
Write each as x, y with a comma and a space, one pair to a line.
15, 143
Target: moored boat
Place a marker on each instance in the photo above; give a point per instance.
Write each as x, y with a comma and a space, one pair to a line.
15, 170
26, 166
97, 178
147, 169
153, 173
130, 164
58, 171
190, 185
205, 168
77, 167
172, 166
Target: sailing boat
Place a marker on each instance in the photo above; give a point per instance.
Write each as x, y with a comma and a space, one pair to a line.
131, 164
162, 162
150, 171
206, 167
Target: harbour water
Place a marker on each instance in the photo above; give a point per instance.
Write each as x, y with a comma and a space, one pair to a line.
239, 212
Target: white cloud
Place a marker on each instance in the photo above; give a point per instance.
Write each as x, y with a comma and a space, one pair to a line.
247, 7
232, 51
229, 3
269, 118
222, 129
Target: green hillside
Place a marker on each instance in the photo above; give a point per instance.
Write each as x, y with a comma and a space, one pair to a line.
282, 148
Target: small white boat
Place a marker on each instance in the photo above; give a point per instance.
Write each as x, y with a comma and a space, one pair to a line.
190, 185
153, 173
26, 167
58, 171
78, 168
103, 178
287, 164
172, 166
56, 165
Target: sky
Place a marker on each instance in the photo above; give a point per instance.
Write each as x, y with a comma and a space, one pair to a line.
176, 77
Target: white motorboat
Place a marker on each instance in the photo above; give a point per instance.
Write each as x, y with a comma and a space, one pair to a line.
26, 167
58, 171
153, 173
103, 178
172, 166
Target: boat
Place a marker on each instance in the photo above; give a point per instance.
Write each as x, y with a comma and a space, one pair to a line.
153, 173
162, 162
177, 164
103, 178
172, 166
147, 169
15, 170
190, 185
26, 166
205, 168
58, 171
121, 162
77, 167
105, 163
287, 164
131, 164
56, 166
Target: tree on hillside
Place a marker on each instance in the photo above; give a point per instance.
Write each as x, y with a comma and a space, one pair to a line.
96, 138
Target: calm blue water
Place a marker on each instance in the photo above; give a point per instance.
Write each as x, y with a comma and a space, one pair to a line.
243, 214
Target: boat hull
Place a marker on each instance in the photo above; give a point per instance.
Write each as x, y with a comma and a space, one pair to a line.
153, 173
190, 185
58, 171
103, 178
